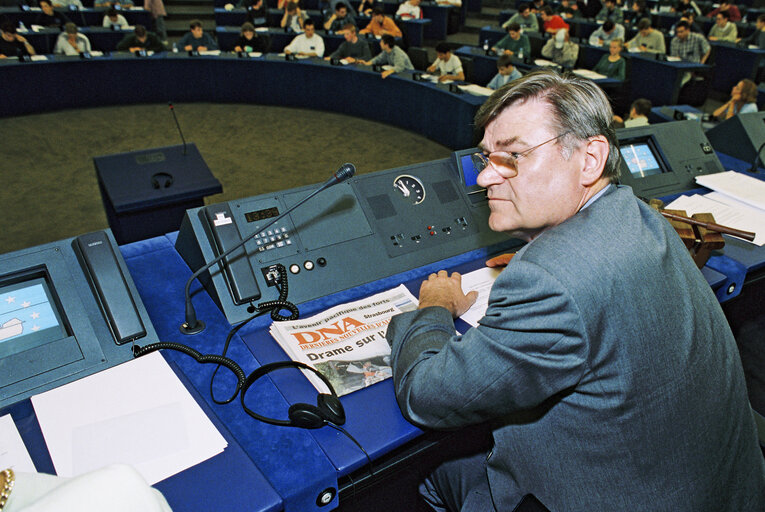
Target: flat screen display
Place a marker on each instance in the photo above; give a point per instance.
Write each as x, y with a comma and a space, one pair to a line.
29, 316
641, 160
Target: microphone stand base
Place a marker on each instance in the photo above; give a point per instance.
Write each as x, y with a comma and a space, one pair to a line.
185, 329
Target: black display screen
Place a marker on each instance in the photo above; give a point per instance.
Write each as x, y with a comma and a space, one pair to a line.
259, 215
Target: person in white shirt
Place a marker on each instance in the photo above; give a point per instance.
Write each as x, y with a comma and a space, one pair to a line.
70, 42
113, 18
409, 10
307, 44
638, 116
446, 64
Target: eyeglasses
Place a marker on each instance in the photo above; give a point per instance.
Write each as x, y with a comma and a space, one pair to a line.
505, 163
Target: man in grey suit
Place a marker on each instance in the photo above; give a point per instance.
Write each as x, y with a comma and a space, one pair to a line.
604, 365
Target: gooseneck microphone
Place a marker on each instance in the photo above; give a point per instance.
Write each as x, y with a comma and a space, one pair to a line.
178, 125
193, 325
753, 168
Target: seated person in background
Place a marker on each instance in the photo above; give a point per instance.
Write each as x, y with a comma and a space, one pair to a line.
294, 18
606, 33
366, 7
196, 39
71, 42
683, 5
447, 65
537, 6
743, 100
588, 409
307, 44
250, 41
391, 55
610, 12
67, 3
647, 39
569, 9
734, 14
638, 11
757, 38
561, 50
638, 115
381, 25
113, 3
112, 18
409, 10
353, 48
453, 3
613, 64
690, 17
687, 45
339, 19
514, 43
525, 18
723, 29
506, 73
140, 39
49, 18
552, 23
256, 11
13, 44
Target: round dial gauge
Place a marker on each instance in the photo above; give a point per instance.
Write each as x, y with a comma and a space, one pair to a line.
410, 187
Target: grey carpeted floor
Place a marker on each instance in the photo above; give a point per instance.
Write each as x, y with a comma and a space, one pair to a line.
49, 189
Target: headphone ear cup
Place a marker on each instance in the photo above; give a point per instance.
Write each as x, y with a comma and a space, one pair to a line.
331, 408
305, 416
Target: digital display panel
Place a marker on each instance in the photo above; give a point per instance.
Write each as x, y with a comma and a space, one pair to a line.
29, 316
641, 160
258, 215
469, 172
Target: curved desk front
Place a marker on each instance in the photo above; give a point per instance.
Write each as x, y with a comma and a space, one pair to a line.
70, 82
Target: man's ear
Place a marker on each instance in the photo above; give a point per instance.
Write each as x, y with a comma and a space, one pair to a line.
596, 154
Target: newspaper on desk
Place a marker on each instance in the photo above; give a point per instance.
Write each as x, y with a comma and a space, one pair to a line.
347, 342
588, 73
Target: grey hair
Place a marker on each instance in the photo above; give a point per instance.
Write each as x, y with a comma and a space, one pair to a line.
579, 107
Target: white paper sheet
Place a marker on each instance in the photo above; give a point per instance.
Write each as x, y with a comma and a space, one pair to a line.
481, 281
13, 453
137, 413
737, 185
731, 215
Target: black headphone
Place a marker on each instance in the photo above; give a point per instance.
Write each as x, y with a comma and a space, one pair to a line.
328, 408
167, 182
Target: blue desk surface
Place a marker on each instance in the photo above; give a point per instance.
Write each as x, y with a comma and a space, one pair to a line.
425, 108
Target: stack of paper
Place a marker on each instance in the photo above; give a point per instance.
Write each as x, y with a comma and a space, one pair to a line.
588, 73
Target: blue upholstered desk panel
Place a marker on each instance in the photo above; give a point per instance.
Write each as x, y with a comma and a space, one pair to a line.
733, 64
422, 107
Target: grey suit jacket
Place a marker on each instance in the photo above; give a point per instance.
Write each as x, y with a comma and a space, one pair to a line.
606, 367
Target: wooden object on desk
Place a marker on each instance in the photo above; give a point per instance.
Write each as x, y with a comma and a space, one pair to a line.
699, 240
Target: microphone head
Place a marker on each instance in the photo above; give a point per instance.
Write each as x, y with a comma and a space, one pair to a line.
345, 172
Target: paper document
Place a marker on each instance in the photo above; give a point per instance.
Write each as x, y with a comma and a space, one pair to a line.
137, 413
725, 212
587, 73
13, 453
739, 186
477, 90
480, 280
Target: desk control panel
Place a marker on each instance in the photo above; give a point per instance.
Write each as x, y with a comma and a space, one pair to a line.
665, 159
367, 228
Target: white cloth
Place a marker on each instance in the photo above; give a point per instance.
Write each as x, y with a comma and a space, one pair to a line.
121, 21
63, 46
117, 488
303, 44
408, 10
453, 66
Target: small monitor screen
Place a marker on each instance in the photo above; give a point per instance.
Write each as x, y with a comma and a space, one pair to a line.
641, 160
28, 316
469, 172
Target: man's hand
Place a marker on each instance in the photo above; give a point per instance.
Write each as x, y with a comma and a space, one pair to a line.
500, 261
387, 73
446, 291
